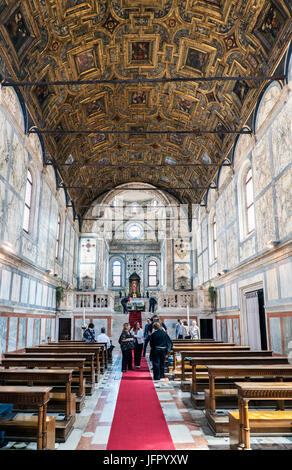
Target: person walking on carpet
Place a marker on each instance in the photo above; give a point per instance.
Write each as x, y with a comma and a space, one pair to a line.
137, 332
126, 342
146, 335
161, 344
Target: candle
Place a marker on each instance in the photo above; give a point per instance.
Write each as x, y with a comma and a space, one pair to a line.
188, 316
83, 316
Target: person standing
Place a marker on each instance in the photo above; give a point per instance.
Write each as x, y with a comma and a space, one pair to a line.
195, 330
124, 302
103, 338
89, 334
160, 344
146, 336
126, 342
186, 334
154, 319
179, 329
152, 303
137, 332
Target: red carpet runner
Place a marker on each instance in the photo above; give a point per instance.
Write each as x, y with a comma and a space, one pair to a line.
133, 317
139, 422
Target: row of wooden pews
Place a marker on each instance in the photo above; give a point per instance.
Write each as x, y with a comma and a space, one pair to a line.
211, 373
55, 378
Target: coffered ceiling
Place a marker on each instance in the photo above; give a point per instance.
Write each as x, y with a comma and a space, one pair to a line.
95, 39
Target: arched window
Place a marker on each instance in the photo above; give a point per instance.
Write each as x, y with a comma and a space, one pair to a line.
117, 274
152, 274
214, 237
58, 237
27, 202
249, 202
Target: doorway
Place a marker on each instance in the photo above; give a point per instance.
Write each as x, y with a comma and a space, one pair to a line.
64, 329
256, 320
206, 328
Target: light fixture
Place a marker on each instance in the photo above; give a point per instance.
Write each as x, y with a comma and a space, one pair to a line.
7, 247
272, 243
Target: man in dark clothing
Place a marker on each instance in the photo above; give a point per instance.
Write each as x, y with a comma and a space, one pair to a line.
152, 303
160, 344
154, 319
124, 302
146, 335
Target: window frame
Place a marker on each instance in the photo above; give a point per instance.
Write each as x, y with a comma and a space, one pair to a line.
58, 238
251, 206
149, 276
29, 181
120, 276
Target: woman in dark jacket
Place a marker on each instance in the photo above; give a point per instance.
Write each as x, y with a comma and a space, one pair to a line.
126, 341
160, 344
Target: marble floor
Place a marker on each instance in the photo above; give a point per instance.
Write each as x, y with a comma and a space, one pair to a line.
188, 426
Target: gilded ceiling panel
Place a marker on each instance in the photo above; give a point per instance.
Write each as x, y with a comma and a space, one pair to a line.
96, 39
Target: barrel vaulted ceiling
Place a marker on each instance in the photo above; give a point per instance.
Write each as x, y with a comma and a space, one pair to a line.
95, 39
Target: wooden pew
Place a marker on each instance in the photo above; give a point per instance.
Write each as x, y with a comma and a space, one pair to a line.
186, 356
227, 361
243, 421
220, 424
98, 350
37, 429
52, 378
178, 349
76, 364
75, 342
89, 372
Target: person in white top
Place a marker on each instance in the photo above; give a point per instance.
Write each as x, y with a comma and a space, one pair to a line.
138, 334
103, 338
195, 330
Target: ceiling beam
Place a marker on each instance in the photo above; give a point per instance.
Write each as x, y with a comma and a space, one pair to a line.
135, 165
30, 83
34, 130
138, 189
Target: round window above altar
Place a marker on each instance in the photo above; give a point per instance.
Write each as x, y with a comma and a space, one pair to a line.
134, 231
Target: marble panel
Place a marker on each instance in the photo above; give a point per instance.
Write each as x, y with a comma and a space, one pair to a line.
45, 296
37, 325
272, 284
229, 330
182, 254
275, 335
205, 266
282, 138
5, 284
228, 295
268, 101
3, 334
222, 297
13, 222
43, 330
261, 165
222, 255
182, 276
24, 290
220, 214
12, 334
265, 222
21, 333
224, 330
29, 249
53, 329
232, 243
39, 294
242, 148
285, 271
204, 233
29, 340
230, 203
284, 204
98, 324
32, 292
88, 250
218, 329
18, 172
287, 326
5, 130
236, 331
247, 248
48, 328
15, 287
3, 202
234, 297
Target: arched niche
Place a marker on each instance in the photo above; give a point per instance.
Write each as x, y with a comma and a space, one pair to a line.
241, 149
9, 100
35, 148
268, 100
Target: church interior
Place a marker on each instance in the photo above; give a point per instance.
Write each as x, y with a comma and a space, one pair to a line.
146, 168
